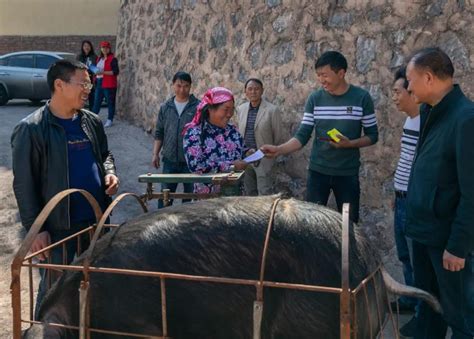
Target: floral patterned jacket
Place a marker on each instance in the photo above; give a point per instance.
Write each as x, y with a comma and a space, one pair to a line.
211, 149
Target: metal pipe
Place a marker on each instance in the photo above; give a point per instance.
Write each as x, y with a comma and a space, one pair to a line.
96, 330
15, 290
56, 244
30, 278
177, 276
345, 304
164, 318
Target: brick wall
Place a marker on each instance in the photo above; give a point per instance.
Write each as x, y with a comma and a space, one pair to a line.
67, 43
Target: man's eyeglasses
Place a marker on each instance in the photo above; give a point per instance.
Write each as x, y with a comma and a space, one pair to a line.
87, 85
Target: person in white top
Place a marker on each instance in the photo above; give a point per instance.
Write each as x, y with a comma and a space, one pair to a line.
411, 130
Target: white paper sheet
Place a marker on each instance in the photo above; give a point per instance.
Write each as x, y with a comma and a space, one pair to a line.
254, 157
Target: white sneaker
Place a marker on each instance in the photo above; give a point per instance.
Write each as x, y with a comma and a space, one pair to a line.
108, 123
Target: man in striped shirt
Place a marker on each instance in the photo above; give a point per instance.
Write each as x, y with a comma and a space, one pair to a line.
334, 166
411, 131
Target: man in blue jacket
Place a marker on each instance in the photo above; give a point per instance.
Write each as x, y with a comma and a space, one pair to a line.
440, 201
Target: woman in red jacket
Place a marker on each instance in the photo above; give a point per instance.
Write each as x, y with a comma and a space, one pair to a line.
106, 81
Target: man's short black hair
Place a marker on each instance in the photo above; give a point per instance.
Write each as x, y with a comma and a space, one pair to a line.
63, 69
334, 59
434, 59
401, 73
258, 81
182, 76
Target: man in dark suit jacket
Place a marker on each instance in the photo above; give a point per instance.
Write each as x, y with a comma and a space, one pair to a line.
440, 200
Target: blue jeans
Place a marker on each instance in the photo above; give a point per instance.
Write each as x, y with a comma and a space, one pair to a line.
455, 290
175, 167
402, 244
108, 94
56, 257
345, 189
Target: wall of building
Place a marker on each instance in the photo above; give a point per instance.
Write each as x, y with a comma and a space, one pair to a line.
225, 42
58, 25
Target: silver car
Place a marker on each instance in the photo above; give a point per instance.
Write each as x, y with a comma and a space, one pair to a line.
23, 74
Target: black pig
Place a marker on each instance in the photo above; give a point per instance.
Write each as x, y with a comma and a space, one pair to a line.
224, 238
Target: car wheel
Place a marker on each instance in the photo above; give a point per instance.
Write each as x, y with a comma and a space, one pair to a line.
3, 96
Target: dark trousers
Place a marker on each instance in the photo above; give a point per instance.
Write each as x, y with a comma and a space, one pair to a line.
403, 245
346, 189
58, 258
455, 290
109, 95
175, 167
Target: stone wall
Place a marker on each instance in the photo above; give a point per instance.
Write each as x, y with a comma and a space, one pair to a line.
224, 42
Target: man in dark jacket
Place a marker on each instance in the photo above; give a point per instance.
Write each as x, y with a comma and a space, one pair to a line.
173, 115
57, 147
440, 201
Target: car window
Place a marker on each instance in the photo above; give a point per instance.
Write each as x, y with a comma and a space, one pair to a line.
24, 60
4, 61
44, 61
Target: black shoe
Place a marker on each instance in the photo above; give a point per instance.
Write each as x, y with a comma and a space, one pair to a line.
403, 307
408, 330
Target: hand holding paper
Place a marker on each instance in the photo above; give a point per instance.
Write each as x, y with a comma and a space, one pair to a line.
254, 157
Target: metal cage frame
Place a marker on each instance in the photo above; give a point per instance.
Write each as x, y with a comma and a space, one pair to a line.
348, 311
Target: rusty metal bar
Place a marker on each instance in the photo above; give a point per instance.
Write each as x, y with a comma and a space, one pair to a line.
83, 292
15, 290
364, 282
176, 276
56, 244
345, 304
96, 330
30, 278
164, 318
25, 247
265, 250
100, 226
85, 333
258, 304
355, 326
